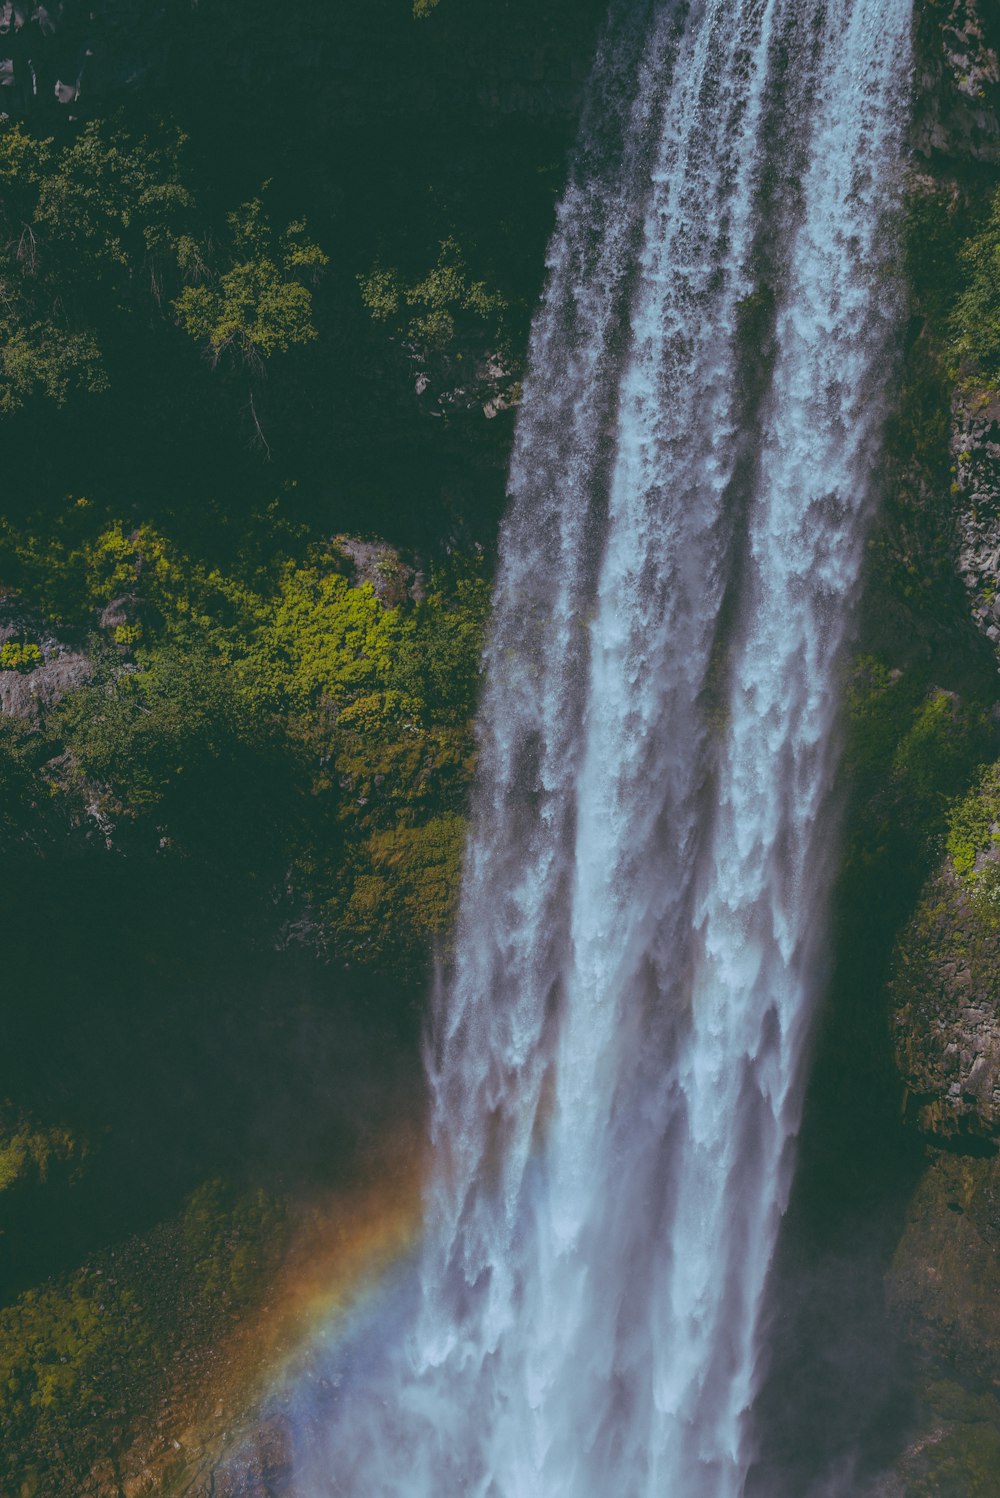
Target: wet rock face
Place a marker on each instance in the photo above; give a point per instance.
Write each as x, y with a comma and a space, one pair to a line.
975, 445
946, 1013
65, 56
29, 689
207, 1461
957, 111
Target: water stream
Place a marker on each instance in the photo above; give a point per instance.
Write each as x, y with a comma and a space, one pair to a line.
619, 1054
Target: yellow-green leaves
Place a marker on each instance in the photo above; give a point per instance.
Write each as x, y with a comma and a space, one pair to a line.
441, 302
15, 656
260, 304
115, 197
974, 824
327, 639
108, 227
41, 358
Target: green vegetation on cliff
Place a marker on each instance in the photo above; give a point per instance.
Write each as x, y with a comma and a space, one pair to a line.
106, 231
285, 682
976, 315
86, 1353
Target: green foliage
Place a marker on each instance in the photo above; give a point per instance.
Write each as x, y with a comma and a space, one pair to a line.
80, 225
933, 760
437, 654
26, 787
17, 656
432, 314
909, 753
114, 199
404, 889
965, 1463
879, 710
268, 714
138, 731
933, 230
55, 1347
325, 641
911, 571
921, 745
218, 692
976, 318
260, 304
42, 358
98, 1343
378, 701
97, 232
49, 559
73, 563
28, 1153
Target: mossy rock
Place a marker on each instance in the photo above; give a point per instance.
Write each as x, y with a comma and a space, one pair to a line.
960, 1458
945, 997
945, 1275
965, 1464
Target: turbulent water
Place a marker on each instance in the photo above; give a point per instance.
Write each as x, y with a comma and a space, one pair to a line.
618, 1056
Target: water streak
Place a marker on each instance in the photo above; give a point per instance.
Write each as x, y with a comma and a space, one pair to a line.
618, 1057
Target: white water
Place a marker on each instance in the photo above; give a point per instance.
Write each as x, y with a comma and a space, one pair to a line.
618, 1056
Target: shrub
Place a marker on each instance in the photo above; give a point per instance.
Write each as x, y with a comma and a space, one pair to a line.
16, 656
107, 228
430, 314
260, 303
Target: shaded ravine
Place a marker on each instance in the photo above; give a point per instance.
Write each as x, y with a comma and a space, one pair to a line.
618, 1056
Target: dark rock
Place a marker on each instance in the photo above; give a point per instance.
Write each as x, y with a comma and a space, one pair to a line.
382, 566
943, 1274
119, 611
26, 694
957, 113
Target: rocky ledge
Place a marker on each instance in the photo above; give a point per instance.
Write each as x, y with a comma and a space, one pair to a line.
946, 1012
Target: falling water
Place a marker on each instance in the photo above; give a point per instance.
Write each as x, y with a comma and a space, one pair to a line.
617, 1060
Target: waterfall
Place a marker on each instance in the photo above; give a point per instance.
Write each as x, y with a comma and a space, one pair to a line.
617, 1059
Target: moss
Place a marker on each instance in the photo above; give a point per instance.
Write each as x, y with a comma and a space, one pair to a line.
59, 1345
105, 1340
941, 744
231, 1241
283, 684
403, 892
943, 1271
965, 1464
974, 824
909, 752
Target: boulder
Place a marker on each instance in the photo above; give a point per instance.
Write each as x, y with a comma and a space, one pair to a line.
24, 694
